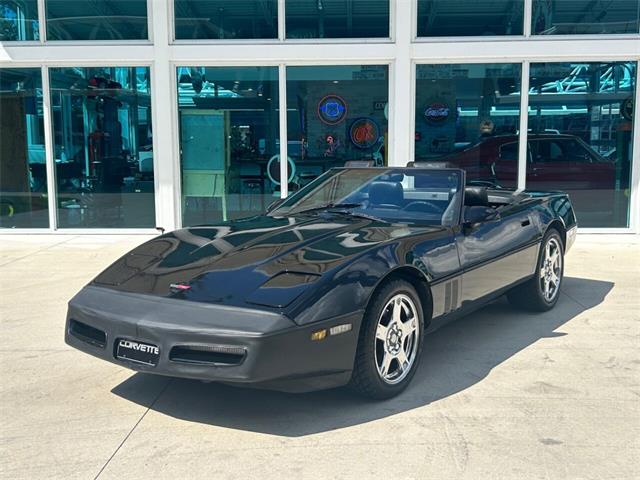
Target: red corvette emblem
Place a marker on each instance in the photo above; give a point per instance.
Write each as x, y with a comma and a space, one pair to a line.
180, 287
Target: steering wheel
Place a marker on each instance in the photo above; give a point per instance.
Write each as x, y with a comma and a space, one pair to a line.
415, 207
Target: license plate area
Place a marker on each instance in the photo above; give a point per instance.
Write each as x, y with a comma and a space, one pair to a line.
137, 352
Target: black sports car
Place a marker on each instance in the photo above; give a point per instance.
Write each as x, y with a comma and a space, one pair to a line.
338, 284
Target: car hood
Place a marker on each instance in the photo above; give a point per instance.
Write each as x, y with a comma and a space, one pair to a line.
248, 261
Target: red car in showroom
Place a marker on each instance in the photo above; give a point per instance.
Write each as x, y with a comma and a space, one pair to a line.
554, 162
551, 159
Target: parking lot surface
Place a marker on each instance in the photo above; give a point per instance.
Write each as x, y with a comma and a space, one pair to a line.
499, 394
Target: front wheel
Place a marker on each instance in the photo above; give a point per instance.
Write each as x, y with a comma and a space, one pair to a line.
390, 342
541, 292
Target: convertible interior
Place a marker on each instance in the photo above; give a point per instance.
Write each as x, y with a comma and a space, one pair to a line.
413, 199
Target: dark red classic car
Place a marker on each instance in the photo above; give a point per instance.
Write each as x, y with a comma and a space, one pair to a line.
552, 160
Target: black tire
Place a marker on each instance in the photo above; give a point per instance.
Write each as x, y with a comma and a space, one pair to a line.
366, 379
531, 294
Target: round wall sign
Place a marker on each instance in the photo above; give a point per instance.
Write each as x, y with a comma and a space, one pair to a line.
332, 109
364, 133
437, 113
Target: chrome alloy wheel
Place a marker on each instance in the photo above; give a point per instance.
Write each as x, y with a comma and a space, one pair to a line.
396, 342
551, 270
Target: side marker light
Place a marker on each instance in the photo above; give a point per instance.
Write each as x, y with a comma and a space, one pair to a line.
319, 335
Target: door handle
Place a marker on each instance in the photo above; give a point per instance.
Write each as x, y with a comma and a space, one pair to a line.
525, 223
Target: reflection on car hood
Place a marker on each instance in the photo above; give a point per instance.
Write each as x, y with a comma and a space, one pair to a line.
225, 263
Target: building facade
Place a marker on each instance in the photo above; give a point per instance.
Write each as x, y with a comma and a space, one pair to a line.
127, 115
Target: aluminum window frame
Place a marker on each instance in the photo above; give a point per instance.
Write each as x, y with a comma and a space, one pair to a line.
524, 99
282, 105
526, 31
49, 151
401, 53
42, 16
526, 14
41, 30
282, 38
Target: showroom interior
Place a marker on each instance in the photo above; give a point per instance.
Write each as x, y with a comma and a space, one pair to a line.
126, 116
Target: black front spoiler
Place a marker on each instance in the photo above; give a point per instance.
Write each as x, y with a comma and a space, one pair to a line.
280, 355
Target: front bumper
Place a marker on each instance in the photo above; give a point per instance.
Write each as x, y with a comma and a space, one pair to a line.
278, 355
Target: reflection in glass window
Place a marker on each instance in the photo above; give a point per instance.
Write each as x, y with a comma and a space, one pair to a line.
468, 115
96, 20
335, 115
580, 137
103, 147
18, 20
459, 18
23, 175
229, 131
222, 19
337, 18
562, 17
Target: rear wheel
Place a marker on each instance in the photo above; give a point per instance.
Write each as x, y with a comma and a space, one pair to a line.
541, 292
390, 342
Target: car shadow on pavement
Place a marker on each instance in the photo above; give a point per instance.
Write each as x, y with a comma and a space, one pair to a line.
455, 357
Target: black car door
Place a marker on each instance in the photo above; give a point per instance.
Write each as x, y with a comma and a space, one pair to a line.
496, 252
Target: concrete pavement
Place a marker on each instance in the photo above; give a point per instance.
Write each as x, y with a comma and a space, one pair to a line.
499, 394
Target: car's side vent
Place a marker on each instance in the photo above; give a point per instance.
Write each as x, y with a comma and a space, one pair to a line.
451, 295
207, 354
87, 333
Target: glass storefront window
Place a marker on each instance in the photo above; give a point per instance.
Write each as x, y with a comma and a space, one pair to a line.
229, 127
580, 137
96, 20
468, 115
461, 18
23, 174
570, 17
18, 20
103, 147
335, 114
337, 18
222, 19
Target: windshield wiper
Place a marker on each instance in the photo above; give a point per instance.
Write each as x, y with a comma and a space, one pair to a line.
328, 206
342, 209
351, 213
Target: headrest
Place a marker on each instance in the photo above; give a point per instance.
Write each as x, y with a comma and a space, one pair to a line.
358, 163
386, 193
430, 165
476, 197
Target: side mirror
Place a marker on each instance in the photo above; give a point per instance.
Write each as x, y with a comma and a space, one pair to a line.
275, 204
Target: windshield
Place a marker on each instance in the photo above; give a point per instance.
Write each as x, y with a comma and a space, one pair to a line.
398, 195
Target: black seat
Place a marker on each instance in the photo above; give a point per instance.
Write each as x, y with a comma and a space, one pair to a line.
386, 195
476, 197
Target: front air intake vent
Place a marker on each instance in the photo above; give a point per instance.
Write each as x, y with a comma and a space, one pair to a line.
87, 333
207, 354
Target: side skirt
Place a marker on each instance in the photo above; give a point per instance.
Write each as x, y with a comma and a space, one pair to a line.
471, 306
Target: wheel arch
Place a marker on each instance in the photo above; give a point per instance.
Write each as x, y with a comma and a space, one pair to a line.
418, 280
558, 225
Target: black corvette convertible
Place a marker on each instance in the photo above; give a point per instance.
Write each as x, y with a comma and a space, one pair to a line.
338, 284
